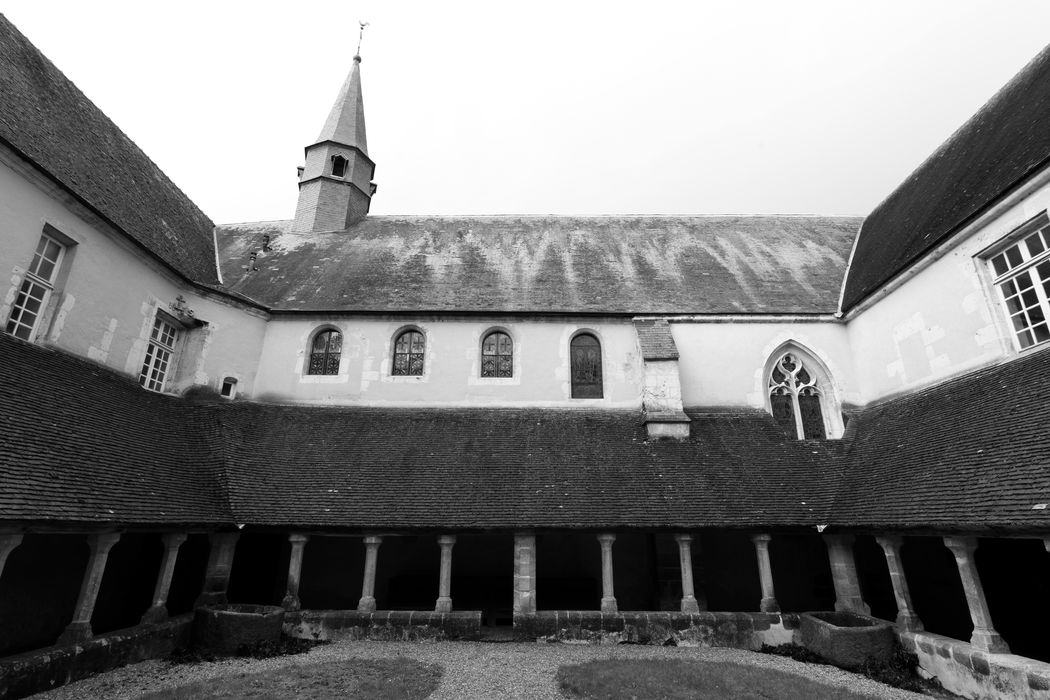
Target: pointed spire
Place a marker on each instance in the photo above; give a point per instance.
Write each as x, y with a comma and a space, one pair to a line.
346, 121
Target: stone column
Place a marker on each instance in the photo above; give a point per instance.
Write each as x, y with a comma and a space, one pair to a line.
606, 540
444, 601
8, 542
984, 635
158, 612
80, 628
368, 586
765, 573
220, 564
524, 573
907, 619
295, 567
685, 560
844, 574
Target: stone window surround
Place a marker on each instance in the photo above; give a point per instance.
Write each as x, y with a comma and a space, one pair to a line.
830, 405
992, 279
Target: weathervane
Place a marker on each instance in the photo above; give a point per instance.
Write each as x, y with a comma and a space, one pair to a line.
360, 37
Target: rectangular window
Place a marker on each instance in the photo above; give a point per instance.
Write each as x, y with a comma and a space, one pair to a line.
159, 354
1022, 276
36, 289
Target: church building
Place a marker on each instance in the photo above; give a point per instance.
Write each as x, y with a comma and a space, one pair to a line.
674, 429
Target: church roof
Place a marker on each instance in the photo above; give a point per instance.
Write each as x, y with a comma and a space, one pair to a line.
567, 264
346, 121
990, 155
48, 121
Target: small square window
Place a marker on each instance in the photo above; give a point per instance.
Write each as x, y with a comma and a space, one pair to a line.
229, 388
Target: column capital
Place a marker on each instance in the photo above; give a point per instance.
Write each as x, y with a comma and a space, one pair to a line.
682, 537
1046, 543
961, 546
891, 542
103, 542
446, 540
373, 540
173, 540
761, 538
840, 539
606, 538
298, 538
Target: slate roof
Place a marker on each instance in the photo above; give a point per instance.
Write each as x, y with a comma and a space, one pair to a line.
81, 443
614, 265
655, 339
45, 118
346, 121
991, 154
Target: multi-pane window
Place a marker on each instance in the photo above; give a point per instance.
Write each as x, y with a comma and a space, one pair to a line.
325, 352
409, 351
497, 355
585, 366
1022, 276
795, 398
36, 288
159, 354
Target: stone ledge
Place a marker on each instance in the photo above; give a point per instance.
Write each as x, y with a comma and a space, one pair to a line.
705, 629
968, 671
50, 667
388, 625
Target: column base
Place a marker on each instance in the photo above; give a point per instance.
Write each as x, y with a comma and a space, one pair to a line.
689, 605
990, 641
291, 603
856, 606
609, 605
367, 604
155, 615
444, 605
909, 622
211, 599
769, 605
75, 632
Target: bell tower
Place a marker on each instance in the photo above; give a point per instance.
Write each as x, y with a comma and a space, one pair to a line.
335, 185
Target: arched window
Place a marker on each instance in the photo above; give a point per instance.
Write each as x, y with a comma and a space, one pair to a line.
497, 355
585, 366
409, 350
338, 166
324, 353
795, 397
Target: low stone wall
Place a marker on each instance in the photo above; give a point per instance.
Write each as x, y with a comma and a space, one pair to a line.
43, 669
706, 629
387, 625
966, 670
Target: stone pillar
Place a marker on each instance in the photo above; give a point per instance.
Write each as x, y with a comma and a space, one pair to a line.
220, 564
8, 542
295, 567
844, 574
524, 573
907, 619
685, 561
80, 628
444, 601
158, 612
765, 574
368, 585
984, 635
606, 540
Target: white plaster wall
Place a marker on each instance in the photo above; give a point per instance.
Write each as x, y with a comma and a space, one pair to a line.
105, 309
944, 320
723, 364
452, 364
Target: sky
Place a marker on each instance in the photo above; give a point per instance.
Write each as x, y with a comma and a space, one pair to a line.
580, 108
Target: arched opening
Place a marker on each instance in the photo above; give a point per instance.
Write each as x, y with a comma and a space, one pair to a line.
800, 394
497, 355
409, 354
339, 164
325, 351
585, 366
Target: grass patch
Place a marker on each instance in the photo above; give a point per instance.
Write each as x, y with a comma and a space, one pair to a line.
689, 680
387, 679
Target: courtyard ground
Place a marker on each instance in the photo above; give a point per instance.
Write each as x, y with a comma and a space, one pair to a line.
470, 669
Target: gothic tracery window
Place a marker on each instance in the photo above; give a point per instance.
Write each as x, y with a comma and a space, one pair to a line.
585, 366
325, 352
795, 398
497, 355
409, 351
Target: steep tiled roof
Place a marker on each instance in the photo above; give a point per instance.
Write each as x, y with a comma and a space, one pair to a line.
81, 443
49, 121
972, 452
998, 148
656, 340
620, 265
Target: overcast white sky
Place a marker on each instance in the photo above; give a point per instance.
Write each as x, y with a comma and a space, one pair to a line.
546, 107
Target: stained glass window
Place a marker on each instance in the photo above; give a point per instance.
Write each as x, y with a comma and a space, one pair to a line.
497, 355
409, 351
795, 398
585, 359
325, 352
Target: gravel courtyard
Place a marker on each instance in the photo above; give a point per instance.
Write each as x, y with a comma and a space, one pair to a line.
472, 670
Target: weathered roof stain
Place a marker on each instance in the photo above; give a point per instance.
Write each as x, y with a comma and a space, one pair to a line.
620, 265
